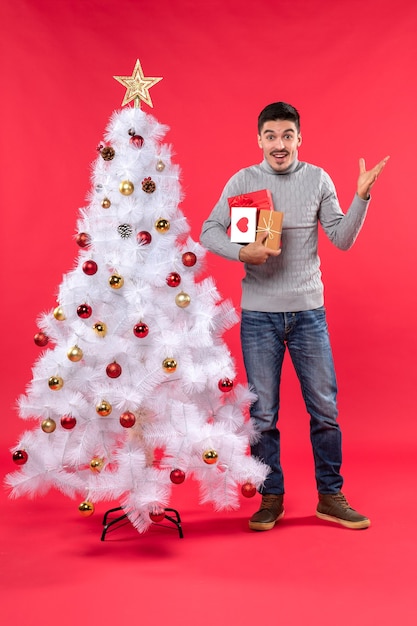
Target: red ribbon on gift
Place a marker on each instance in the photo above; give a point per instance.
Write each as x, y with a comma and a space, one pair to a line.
241, 201
261, 199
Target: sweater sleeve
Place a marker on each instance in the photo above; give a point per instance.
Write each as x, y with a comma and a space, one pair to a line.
341, 228
214, 235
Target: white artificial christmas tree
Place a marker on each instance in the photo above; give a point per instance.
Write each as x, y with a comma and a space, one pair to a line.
135, 390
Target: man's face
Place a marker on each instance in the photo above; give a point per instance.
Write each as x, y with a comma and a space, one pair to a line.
279, 141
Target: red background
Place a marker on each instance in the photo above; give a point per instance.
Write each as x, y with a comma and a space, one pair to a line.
348, 66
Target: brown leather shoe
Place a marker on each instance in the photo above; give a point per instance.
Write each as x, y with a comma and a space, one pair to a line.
335, 508
271, 510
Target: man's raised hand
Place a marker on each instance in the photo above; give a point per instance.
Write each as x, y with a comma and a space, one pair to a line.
367, 178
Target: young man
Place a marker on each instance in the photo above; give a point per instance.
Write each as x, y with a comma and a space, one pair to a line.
282, 305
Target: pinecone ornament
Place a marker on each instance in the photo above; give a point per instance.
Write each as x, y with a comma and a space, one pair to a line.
124, 230
148, 185
107, 153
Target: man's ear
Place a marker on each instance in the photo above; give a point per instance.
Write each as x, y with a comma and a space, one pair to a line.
300, 140
259, 141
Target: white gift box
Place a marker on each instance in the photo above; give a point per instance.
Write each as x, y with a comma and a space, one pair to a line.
243, 224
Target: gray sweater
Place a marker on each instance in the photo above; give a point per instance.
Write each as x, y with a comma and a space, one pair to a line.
306, 195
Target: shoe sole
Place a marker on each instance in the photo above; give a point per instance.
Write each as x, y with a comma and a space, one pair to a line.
267, 525
353, 525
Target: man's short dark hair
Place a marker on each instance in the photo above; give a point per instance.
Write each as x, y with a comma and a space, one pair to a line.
279, 111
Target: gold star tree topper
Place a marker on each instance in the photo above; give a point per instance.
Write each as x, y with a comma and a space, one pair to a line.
137, 86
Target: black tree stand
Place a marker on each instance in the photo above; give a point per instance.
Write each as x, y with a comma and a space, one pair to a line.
173, 519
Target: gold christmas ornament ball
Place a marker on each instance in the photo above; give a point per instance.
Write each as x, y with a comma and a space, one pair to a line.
104, 408
169, 365
182, 299
126, 188
162, 225
75, 354
100, 329
210, 457
86, 508
96, 464
55, 383
59, 314
116, 281
48, 426
160, 166
105, 203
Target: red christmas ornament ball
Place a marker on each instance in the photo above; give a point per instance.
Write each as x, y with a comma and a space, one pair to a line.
41, 339
141, 330
83, 240
248, 490
137, 141
173, 279
177, 476
225, 385
90, 268
84, 311
68, 422
20, 457
127, 419
144, 237
189, 259
157, 516
113, 370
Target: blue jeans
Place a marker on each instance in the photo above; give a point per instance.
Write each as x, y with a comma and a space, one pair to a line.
265, 337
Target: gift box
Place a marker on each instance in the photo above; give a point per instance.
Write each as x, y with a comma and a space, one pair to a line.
244, 214
270, 222
243, 224
261, 199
